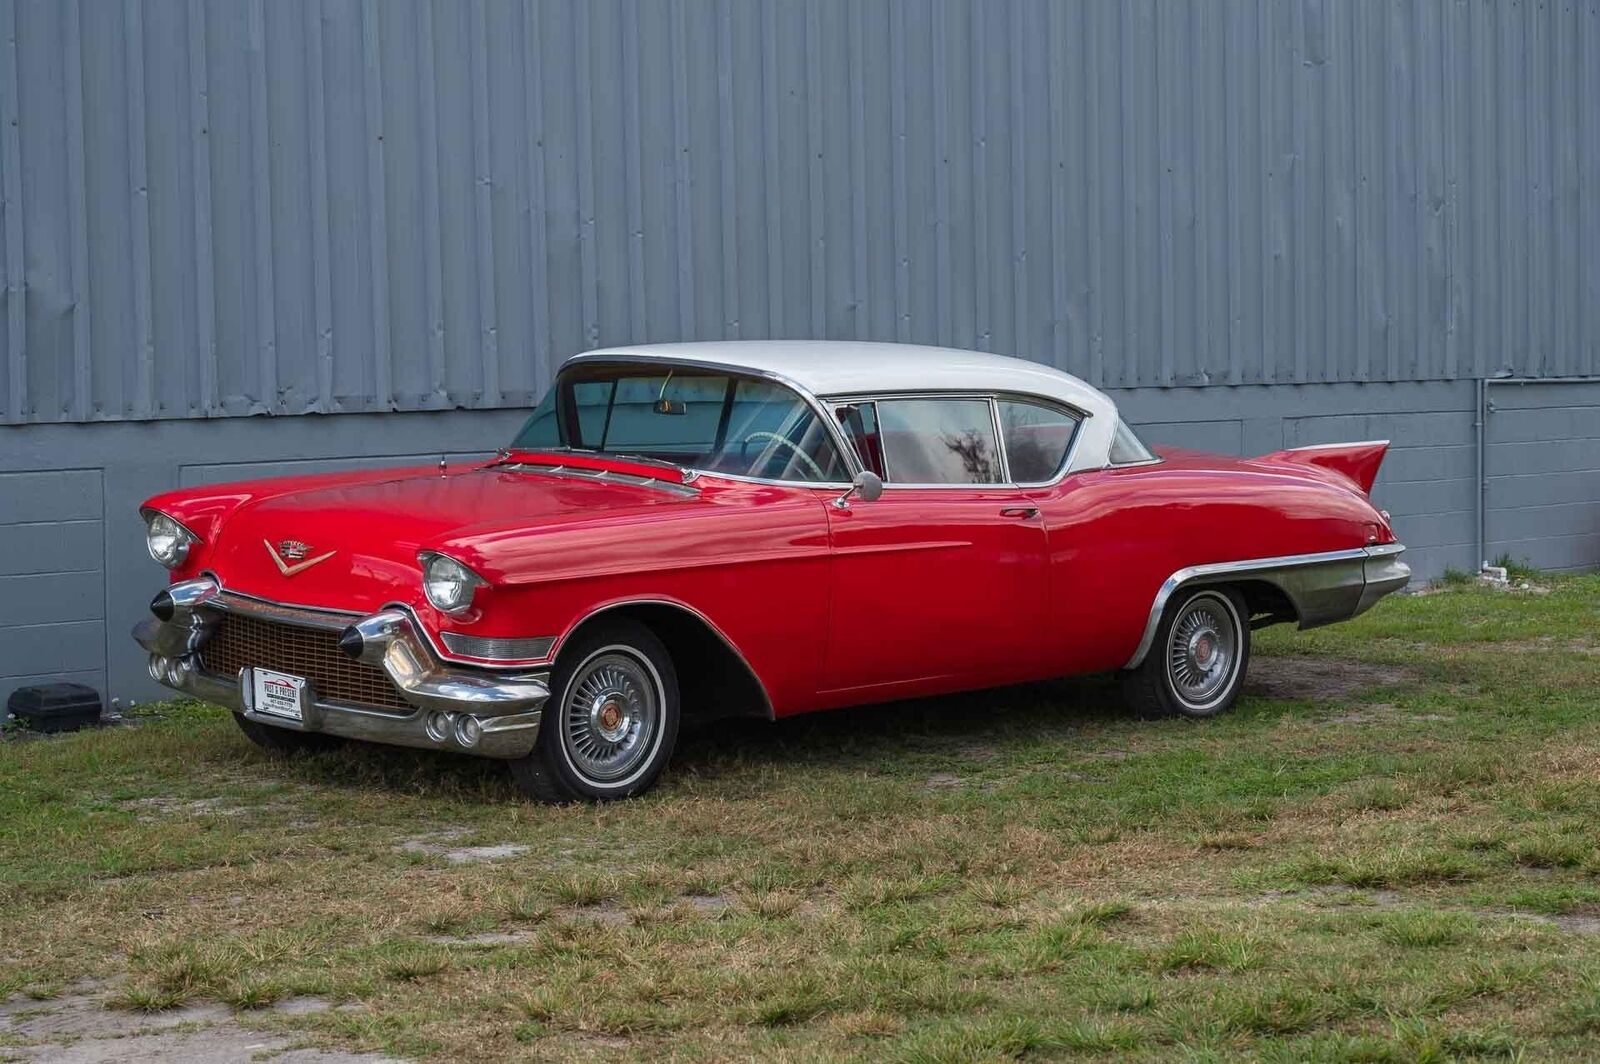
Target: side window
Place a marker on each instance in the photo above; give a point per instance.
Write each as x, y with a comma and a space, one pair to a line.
1037, 439
860, 424
1126, 448
938, 441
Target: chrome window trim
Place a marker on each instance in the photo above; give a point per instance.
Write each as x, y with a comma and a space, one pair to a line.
1063, 471
828, 425
889, 482
1065, 466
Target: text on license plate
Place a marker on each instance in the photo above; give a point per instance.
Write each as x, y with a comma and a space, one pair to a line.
277, 693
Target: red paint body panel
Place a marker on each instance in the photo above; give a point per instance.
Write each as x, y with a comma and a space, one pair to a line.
918, 592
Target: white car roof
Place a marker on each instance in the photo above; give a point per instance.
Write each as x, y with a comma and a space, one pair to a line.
828, 368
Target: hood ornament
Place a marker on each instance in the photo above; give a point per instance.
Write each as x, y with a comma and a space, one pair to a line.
292, 550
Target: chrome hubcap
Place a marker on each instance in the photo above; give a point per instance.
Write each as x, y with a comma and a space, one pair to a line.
1201, 653
611, 717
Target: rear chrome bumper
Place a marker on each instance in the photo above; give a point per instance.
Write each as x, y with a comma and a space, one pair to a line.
471, 711
1324, 588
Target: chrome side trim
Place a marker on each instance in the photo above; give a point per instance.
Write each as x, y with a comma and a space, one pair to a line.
498, 648
1325, 588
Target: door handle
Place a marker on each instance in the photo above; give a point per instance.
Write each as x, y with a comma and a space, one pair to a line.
1023, 512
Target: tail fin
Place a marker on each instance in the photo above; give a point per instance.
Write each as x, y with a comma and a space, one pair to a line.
1357, 462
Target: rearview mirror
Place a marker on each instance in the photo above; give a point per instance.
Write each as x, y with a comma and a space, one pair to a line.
670, 406
865, 485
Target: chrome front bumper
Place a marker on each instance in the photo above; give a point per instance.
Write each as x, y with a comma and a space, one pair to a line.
472, 711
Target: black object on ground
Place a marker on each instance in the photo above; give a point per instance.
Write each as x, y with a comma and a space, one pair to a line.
54, 707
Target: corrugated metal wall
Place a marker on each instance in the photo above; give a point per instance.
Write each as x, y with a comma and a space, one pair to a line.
282, 206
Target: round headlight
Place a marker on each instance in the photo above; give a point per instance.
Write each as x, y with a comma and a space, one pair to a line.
167, 541
448, 584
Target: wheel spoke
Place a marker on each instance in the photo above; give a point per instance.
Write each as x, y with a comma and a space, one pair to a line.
612, 715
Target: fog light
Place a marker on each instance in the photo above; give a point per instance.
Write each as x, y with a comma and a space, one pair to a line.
174, 672
468, 731
157, 668
439, 726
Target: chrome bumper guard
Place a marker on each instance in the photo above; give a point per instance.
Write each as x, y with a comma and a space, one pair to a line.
466, 710
1324, 588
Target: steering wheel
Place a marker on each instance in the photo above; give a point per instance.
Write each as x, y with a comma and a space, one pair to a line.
806, 459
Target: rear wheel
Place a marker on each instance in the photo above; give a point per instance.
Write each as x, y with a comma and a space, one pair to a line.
1196, 665
284, 741
611, 722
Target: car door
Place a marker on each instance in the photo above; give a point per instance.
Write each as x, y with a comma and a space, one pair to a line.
940, 582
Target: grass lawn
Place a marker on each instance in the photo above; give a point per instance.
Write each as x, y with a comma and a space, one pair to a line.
1390, 851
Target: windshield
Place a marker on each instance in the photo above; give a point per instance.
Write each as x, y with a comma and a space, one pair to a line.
717, 422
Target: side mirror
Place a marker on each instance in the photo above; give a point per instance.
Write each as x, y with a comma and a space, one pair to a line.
866, 486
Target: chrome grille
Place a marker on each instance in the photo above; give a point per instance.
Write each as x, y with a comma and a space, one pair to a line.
247, 642
488, 648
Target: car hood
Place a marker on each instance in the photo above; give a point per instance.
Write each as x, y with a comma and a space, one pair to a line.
354, 546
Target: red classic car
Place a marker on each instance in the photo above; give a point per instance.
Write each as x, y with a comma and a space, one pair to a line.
694, 530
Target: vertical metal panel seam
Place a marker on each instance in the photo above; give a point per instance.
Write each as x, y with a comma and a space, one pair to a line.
1450, 104
1019, 186
583, 106
1232, 148
377, 208
633, 150
205, 307
15, 252
1056, 135
982, 323
270, 399
816, 190
438, 368
82, 352
897, 166
1094, 160
483, 202
727, 172
772, 172
860, 281
538, 251
321, 254
678, 53
1128, 363
144, 403
944, 310
1166, 342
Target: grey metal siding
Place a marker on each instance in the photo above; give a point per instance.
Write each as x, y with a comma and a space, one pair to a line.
222, 207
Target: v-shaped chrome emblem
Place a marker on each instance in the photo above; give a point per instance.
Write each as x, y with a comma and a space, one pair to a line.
291, 570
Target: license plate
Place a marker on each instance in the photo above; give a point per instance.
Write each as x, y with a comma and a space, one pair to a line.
277, 693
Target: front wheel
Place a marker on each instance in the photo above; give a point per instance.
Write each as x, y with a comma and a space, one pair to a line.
1195, 666
611, 722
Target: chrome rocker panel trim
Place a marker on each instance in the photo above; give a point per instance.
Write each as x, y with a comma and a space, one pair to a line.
1324, 588
508, 709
